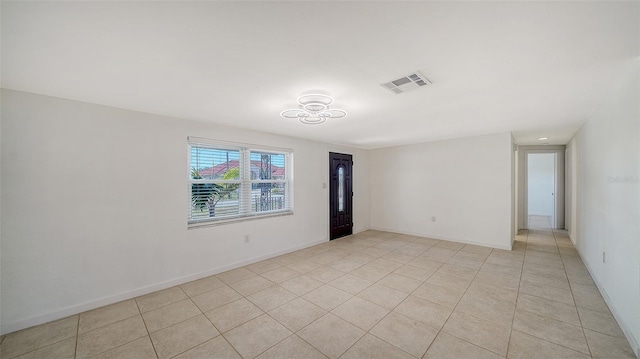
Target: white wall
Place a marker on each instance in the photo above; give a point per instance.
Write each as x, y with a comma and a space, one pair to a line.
464, 183
95, 198
541, 183
605, 156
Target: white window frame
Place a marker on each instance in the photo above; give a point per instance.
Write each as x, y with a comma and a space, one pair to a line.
245, 181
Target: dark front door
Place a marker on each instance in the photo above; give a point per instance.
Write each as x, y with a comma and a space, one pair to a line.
341, 195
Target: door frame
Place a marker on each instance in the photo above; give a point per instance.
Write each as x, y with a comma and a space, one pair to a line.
559, 184
554, 215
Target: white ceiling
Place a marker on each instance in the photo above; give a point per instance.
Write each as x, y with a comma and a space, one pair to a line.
533, 68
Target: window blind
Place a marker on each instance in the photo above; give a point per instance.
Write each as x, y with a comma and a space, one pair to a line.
230, 181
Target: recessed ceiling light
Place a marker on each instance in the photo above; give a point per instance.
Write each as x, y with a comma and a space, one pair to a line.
543, 138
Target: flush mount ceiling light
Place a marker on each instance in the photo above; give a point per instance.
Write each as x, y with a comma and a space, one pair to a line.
543, 138
314, 109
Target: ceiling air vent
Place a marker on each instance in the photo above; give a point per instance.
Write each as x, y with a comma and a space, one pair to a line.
407, 83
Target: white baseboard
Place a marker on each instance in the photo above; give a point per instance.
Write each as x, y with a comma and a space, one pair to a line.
618, 317
83, 307
427, 235
573, 240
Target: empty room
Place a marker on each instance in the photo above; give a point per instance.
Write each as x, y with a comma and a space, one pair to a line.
319, 179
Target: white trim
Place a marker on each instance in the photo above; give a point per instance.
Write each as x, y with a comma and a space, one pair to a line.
76, 309
262, 215
573, 240
628, 333
523, 188
226, 144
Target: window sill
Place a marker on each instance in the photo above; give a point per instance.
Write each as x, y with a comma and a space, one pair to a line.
221, 222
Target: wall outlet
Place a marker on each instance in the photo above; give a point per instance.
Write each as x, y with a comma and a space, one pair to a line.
433, 219
604, 257
246, 238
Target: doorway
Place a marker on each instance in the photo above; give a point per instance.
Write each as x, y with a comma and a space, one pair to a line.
523, 184
541, 190
340, 195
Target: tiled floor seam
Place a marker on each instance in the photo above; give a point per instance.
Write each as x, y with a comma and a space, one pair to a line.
265, 313
228, 342
172, 324
395, 346
75, 350
292, 333
313, 346
454, 309
468, 342
121, 345
526, 240
581, 327
573, 296
135, 299
392, 310
103, 326
42, 347
145, 328
206, 341
558, 344
328, 312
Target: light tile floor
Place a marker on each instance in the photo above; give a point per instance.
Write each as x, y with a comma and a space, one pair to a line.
371, 295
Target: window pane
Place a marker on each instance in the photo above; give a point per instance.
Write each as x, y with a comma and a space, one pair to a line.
228, 182
268, 197
213, 163
214, 200
266, 166
340, 189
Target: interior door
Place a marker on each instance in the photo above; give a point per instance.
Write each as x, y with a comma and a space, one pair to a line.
341, 195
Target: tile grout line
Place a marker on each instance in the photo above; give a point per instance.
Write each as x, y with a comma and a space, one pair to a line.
119, 321
463, 294
424, 282
526, 241
329, 311
147, 329
45, 346
386, 315
543, 339
355, 295
75, 351
456, 305
574, 299
220, 333
297, 296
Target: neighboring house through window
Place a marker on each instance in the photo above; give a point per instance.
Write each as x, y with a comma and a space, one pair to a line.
230, 181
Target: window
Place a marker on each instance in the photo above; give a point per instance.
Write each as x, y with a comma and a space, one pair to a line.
234, 181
